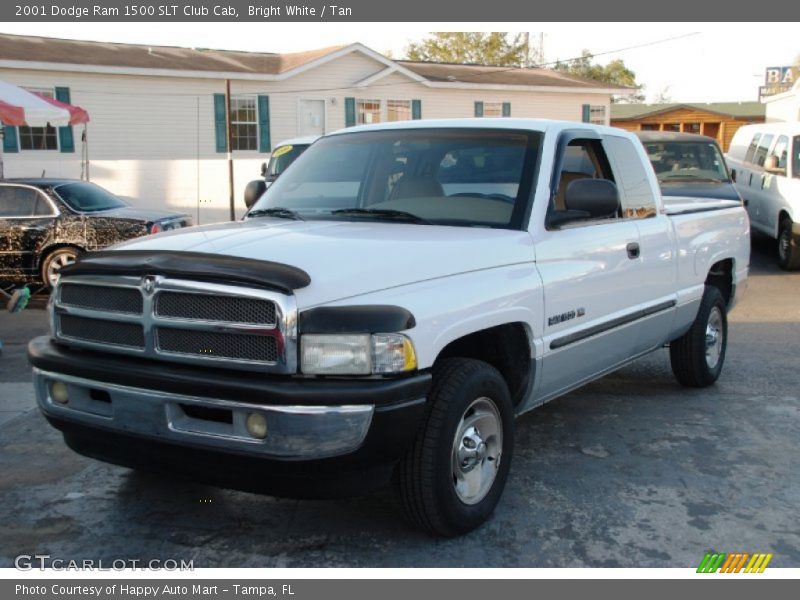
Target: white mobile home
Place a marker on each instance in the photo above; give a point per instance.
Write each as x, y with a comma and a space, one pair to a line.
157, 130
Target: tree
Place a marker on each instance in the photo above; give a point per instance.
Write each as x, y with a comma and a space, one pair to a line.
614, 73
471, 47
663, 96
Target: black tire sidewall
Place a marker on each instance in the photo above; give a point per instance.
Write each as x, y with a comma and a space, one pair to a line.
793, 253
461, 517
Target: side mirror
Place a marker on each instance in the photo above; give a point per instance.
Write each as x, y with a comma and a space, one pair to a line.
597, 198
263, 169
253, 192
771, 165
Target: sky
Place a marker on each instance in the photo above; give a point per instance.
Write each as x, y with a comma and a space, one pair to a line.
688, 62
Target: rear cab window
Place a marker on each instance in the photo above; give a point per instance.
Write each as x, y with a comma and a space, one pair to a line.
636, 193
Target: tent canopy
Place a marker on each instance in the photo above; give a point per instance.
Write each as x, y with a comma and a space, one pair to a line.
21, 107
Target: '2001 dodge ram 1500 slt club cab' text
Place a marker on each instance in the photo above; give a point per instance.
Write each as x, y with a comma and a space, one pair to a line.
386, 309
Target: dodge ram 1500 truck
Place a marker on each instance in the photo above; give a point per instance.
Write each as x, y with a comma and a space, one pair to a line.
386, 309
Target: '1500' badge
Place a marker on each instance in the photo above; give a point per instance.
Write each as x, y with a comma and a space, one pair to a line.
567, 316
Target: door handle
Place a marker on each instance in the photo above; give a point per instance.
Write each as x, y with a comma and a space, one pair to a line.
633, 250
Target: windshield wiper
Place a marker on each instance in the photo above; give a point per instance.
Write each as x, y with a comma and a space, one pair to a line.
384, 213
279, 212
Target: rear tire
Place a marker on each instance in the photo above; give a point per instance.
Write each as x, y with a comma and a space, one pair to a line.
54, 262
452, 477
698, 355
788, 246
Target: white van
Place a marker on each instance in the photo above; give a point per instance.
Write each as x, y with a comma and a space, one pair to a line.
765, 164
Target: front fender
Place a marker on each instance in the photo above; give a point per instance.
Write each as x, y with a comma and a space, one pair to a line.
448, 308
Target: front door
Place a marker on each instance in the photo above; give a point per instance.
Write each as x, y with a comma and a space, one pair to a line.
588, 269
311, 116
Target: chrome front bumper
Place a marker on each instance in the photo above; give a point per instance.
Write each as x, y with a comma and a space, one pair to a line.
293, 432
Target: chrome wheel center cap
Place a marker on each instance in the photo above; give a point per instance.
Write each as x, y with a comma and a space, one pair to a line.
471, 450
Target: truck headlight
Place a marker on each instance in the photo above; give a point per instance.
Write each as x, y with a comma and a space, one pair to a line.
356, 354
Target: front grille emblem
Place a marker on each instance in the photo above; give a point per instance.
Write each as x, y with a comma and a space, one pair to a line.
149, 284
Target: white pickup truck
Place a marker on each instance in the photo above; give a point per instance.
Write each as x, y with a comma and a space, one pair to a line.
387, 308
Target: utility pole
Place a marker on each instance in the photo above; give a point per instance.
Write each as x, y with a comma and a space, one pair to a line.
527, 37
541, 49
229, 137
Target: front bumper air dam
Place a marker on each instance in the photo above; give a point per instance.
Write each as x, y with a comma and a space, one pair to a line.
325, 438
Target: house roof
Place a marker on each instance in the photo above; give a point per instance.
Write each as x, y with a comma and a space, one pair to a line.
465, 73
739, 110
172, 59
56, 50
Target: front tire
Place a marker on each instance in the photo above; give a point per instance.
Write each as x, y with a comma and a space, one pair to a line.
452, 477
698, 355
788, 246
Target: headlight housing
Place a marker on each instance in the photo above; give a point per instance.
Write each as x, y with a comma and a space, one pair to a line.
356, 354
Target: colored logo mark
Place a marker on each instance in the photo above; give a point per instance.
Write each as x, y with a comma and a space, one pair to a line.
737, 562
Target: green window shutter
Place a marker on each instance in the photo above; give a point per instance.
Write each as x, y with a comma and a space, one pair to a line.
220, 123
65, 138
10, 139
264, 144
349, 112
587, 113
416, 109
506, 109
479, 109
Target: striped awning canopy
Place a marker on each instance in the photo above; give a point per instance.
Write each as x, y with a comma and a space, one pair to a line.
21, 107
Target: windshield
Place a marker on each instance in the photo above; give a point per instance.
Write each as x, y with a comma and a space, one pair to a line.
88, 197
461, 177
687, 161
282, 157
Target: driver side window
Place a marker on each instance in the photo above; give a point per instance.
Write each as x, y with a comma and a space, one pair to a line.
583, 159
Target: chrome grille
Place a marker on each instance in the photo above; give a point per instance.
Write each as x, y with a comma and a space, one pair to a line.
104, 298
100, 331
204, 307
255, 348
178, 321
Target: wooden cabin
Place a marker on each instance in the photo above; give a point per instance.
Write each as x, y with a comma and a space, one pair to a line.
719, 120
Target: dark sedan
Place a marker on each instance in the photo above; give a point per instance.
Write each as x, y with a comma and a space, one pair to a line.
688, 165
46, 223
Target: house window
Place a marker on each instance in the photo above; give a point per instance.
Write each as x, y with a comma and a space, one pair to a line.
671, 127
398, 110
244, 123
368, 111
691, 127
38, 138
492, 109
650, 127
597, 115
